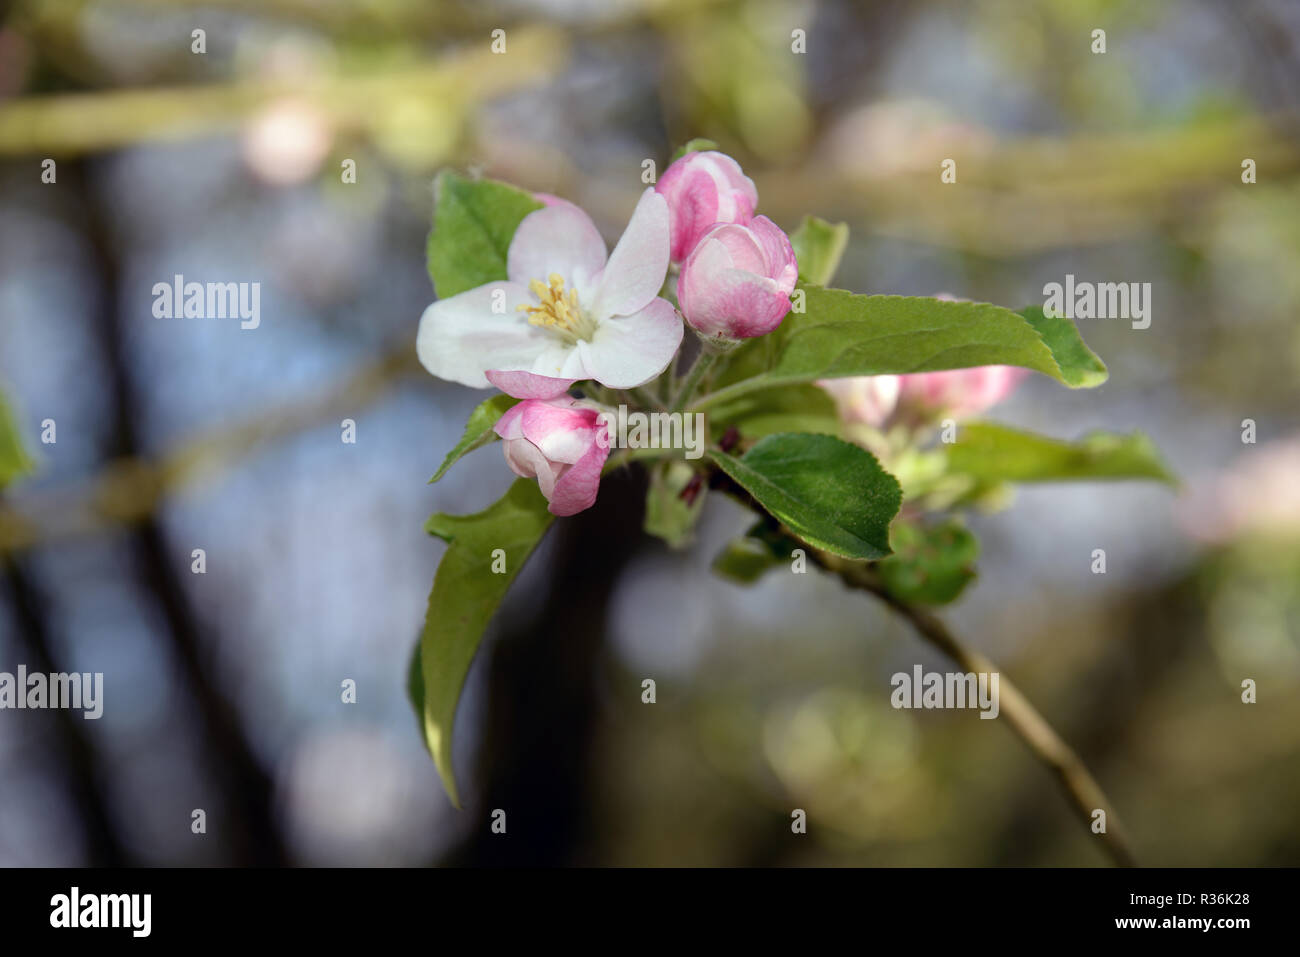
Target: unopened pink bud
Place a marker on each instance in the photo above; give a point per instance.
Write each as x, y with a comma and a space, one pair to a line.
737, 282
702, 190
563, 443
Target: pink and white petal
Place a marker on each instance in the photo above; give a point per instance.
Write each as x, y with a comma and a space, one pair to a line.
555, 359
738, 304
555, 239
528, 385
777, 250
461, 337
562, 434
628, 351
742, 246
566, 447
709, 258
698, 206
637, 266
527, 461
510, 425
577, 488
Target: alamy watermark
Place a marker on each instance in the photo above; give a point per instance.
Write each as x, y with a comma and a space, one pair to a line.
179, 299
1099, 300
75, 909
654, 430
81, 691
930, 689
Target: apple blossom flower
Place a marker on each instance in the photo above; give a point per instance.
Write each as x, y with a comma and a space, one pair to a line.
736, 283
563, 443
703, 189
566, 311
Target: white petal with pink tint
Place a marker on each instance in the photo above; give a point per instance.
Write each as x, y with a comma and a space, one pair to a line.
597, 320
460, 338
637, 266
629, 351
555, 239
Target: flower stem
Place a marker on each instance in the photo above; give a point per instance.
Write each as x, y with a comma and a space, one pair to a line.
646, 396
731, 391
691, 381
1079, 785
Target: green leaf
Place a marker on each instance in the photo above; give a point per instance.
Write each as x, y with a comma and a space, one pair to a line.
473, 223
995, 453
478, 431
466, 593
14, 461
745, 559
796, 408
1079, 365
697, 145
667, 515
818, 246
931, 565
843, 334
831, 494
415, 688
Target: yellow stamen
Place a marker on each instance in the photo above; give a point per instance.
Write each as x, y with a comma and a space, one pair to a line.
559, 310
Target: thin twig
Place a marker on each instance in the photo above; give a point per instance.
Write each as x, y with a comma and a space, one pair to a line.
1082, 789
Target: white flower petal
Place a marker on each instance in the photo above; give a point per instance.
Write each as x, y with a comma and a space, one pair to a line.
461, 337
628, 351
637, 266
555, 239
554, 359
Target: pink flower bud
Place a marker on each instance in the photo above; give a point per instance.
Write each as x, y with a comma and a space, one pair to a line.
562, 443
959, 393
704, 189
736, 284
866, 399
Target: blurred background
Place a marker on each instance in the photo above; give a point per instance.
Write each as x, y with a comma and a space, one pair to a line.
222, 690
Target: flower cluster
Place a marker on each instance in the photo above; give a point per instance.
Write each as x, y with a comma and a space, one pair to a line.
571, 313
568, 311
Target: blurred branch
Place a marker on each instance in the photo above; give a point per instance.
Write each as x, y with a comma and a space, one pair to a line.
391, 17
1020, 196
130, 489
78, 123
87, 783
1012, 197
253, 837
1080, 786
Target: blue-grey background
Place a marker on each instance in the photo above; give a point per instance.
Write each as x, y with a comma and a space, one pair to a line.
223, 690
